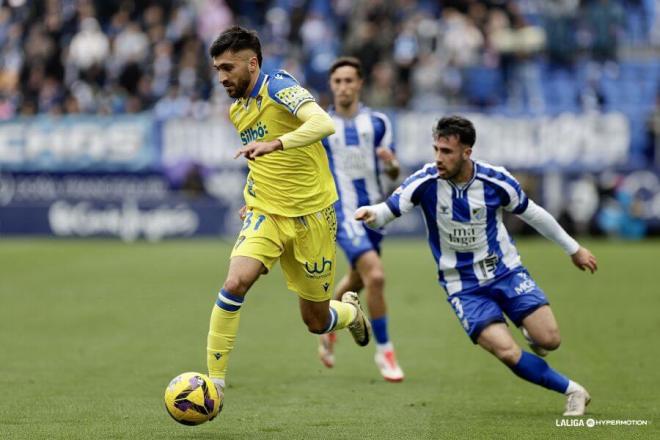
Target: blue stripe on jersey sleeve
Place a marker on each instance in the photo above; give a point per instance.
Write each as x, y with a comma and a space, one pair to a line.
392, 202
379, 129
522, 206
421, 190
428, 170
503, 194
511, 181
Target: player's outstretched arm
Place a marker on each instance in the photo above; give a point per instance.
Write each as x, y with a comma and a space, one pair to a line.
584, 259
375, 216
317, 124
546, 225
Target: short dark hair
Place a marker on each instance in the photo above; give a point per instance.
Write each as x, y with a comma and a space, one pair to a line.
457, 126
346, 61
235, 39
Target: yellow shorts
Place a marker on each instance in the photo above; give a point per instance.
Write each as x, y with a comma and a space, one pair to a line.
305, 246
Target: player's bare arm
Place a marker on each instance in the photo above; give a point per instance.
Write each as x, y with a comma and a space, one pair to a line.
392, 167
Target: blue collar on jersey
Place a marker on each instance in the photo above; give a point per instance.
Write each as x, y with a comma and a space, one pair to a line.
465, 186
257, 85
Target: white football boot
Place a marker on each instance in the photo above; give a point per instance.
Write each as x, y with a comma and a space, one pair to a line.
388, 366
576, 402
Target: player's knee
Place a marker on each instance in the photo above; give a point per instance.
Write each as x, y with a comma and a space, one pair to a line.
550, 340
235, 285
376, 278
315, 325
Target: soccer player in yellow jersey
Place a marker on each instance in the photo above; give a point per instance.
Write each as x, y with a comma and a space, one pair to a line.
289, 198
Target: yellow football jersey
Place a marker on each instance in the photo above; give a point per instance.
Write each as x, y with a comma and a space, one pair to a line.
292, 182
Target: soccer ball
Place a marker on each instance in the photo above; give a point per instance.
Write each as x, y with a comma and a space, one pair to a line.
191, 399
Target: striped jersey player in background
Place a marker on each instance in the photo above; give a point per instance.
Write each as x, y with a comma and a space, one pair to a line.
478, 265
362, 141
289, 198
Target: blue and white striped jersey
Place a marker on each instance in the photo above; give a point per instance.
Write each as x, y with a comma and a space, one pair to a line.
353, 161
468, 240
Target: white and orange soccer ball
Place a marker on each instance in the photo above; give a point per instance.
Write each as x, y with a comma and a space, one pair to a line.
191, 399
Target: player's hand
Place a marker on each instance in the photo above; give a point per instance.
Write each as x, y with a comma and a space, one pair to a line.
365, 214
256, 149
242, 212
584, 259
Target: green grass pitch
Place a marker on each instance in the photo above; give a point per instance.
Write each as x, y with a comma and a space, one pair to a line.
91, 332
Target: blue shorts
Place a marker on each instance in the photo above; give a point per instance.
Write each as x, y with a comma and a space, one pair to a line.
355, 239
515, 294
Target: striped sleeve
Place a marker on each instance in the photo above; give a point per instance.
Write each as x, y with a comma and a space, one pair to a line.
408, 195
513, 197
383, 136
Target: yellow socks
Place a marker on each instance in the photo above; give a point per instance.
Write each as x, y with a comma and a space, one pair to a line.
223, 328
341, 315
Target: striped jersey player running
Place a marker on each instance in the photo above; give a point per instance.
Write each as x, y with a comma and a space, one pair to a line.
361, 144
478, 265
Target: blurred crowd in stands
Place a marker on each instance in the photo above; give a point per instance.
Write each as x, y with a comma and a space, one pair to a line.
515, 56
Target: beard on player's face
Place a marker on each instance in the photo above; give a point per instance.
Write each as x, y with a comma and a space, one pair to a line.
448, 169
237, 88
451, 172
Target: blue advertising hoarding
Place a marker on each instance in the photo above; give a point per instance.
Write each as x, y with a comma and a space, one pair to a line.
79, 143
126, 176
